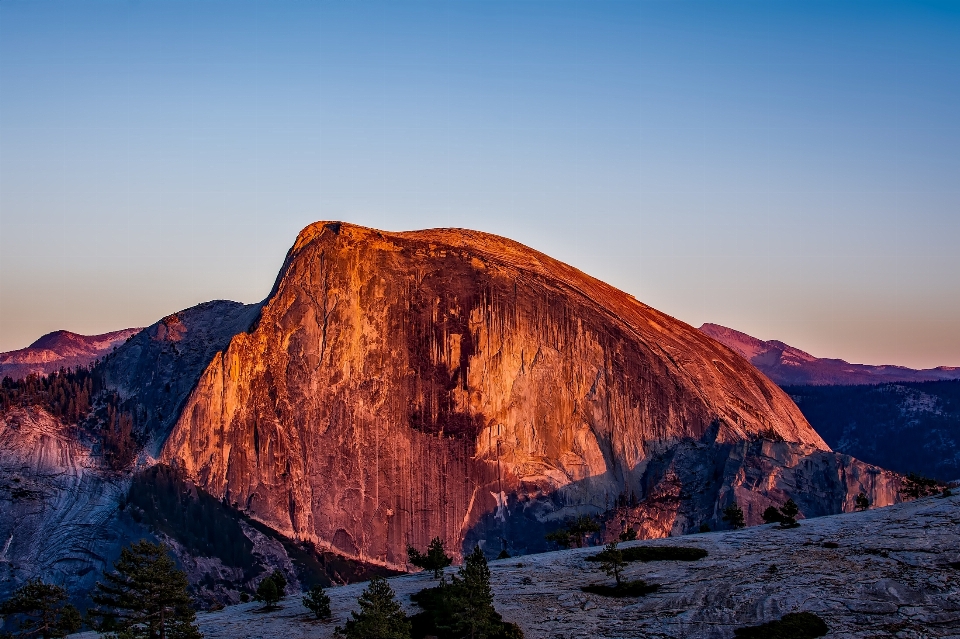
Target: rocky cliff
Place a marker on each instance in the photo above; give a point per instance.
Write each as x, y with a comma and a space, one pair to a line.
156, 369
398, 386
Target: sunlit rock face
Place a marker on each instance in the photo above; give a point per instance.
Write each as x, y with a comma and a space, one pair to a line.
401, 386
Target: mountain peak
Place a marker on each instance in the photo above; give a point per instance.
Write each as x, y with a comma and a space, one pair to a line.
788, 365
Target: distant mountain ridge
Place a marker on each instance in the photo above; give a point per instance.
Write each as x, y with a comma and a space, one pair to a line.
787, 365
61, 349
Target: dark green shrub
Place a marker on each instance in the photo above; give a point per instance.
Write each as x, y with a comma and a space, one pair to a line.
655, 553
789, 512
636, 588
861, 503
629, 534
916, 486
796, 625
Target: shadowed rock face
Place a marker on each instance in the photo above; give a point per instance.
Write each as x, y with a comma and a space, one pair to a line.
156, 369
400, 386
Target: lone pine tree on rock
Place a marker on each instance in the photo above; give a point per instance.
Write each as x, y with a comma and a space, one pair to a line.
613, 562
380, 616
318, 602
733, 515
271, 590
435, 559
862, 503
145, 596
38, 609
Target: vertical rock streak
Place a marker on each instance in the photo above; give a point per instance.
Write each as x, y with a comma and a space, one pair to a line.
403, 386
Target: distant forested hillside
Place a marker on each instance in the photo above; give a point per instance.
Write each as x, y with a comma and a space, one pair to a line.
912, 426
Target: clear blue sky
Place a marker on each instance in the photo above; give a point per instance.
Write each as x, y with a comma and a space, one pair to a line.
789, 169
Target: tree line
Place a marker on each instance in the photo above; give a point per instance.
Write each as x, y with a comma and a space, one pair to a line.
78, 396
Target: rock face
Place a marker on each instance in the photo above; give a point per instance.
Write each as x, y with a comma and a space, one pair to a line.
786, 365
60, 349
58, 506
156, 369
906, 427
400, 386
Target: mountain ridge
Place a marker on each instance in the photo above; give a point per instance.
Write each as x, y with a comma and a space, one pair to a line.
61, 349
788, 365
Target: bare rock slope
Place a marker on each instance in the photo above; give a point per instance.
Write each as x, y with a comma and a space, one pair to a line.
889, 572
400, 386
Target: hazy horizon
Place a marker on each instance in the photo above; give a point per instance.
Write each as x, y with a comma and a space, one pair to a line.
785, 169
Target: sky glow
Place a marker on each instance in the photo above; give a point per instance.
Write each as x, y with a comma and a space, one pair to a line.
788, 169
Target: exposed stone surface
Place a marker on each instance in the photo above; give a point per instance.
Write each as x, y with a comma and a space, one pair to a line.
58, 506
61, 349
906, 427
890, 576
400, 386
160, 365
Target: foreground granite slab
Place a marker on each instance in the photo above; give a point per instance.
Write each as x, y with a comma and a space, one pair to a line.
890, 575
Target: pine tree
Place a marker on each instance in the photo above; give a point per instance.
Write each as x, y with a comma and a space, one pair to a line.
789, 512
561, 537
471, 599
435, 559
581, 527
37, 609
628, 534
317, 602
145, 596
862, 502
733, 515
613, 563
380, 616
772, 515
268, 593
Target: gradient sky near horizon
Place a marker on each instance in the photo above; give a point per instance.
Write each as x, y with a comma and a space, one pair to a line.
788, 169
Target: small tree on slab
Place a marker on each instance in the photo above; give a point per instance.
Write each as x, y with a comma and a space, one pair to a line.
789, 512
145, 596
435, 559
318, 602
733, 515
268, 593
380, 616
471, 601
581, 527
561, 537
772, 515
38, 609
861, 502
613, 563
